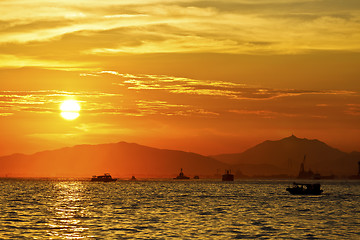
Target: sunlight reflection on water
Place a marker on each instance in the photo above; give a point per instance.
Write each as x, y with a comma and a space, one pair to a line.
67, 207
170, 209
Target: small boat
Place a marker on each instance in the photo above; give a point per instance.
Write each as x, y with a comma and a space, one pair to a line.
103, 178
181, 175
196, 177
133, 178
305, 189
228, 176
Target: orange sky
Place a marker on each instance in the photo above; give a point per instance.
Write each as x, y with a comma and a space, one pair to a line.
204, 76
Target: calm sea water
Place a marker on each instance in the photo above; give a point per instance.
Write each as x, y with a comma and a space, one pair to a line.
39, 209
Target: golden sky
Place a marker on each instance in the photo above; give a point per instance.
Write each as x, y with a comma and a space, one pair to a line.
203, 76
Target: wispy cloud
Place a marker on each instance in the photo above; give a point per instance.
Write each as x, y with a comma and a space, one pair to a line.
353, 109
164, 108
92, 103
265, 113
179, 96
112, 28
140, 95
43, 101
180, 85
15, 60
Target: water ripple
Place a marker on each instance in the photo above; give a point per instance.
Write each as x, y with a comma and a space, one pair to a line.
32, 209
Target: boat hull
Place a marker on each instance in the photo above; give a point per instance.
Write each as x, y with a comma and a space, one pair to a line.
182, 178
103, 180
228, 177
305, 189
299, 191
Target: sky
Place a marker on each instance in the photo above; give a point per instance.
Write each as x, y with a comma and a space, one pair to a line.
209, 77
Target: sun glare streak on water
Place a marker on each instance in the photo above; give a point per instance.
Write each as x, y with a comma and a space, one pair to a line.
39, 209
67, 210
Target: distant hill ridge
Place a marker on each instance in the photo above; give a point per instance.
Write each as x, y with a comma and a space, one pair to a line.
287, 154
121, 159
280, 157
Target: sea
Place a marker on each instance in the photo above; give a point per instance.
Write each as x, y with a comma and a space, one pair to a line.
176, 209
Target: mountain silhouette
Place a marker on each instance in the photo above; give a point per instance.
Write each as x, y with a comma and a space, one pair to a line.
285, 156
269, 158
120, 159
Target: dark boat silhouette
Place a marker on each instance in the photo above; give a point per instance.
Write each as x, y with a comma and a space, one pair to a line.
305, 189
228, 176
181, 175
133, 178
103, 178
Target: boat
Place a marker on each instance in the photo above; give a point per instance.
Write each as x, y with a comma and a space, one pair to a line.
181, 175
103, 178
305, 189
228, 176
133, 178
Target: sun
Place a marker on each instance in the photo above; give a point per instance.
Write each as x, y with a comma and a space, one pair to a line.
70, 109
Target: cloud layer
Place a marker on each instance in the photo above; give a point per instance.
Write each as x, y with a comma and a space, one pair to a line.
65, 32
144, 95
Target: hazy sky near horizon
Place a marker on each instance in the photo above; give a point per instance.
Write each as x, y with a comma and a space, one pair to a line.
203, 76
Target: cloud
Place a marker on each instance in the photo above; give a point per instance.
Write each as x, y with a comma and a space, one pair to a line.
265, 113
164, 95
5, 114
14, 60
44, 101
38, 30
164, 108
138, 95
353, 109
92, 103
181, 85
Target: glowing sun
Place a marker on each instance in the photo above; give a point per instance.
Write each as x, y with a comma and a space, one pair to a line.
70, 109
